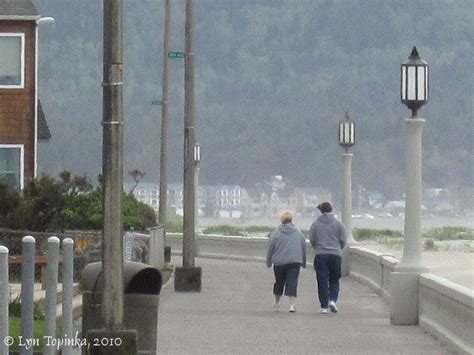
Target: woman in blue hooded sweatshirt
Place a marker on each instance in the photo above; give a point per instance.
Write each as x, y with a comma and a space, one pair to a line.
328, 237
287, 253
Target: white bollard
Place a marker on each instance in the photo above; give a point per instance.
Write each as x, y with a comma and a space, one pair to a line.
4, 300
156, 253
27, 290
67, 273
51, 293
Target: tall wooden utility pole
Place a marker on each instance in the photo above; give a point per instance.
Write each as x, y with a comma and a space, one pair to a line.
112, 170
112, 166
188, 277
163, 207
188, 197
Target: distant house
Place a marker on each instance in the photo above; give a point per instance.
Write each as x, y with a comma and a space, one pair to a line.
22, 120
304, 200
225, 201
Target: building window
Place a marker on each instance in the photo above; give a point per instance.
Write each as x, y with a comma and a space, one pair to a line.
12, 60
11, 164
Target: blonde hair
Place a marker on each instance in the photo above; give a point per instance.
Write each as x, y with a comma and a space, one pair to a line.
286, 217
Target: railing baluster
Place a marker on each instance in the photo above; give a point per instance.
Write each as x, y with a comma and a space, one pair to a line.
27, 291
4, 300
51, 293
67, 273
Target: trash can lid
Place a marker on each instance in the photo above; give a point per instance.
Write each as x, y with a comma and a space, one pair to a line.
137, 278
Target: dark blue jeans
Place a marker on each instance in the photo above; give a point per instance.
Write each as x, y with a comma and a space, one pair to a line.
286, 277
328, 272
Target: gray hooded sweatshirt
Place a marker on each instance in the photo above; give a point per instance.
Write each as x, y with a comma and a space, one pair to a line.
327, 235
287, 246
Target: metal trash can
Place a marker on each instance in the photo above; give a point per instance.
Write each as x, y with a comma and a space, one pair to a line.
142, 286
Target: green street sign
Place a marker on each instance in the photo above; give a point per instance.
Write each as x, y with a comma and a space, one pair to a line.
176, 55
156, 102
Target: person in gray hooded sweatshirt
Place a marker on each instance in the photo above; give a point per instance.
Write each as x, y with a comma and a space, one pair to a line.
328, 237
287, 253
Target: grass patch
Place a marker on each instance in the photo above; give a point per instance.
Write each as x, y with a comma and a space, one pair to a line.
376, 234
384, 236
258, 229
450, 233
38, 332
174, 225
14, 317
223, 229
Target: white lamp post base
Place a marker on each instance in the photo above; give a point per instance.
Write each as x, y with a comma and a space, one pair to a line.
347, 210
404, 292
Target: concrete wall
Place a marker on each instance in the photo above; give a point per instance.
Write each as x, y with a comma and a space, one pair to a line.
446, 309
229, 247
372, 268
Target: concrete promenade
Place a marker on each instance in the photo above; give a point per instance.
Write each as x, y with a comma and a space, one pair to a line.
234, 315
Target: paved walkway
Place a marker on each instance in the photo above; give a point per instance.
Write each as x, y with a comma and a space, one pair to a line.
233, 315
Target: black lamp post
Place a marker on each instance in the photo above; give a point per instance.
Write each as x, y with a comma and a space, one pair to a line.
414, 82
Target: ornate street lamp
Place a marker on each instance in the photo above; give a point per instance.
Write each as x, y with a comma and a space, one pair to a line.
414, 82
197, 153
347, 132
404, 295
347, 140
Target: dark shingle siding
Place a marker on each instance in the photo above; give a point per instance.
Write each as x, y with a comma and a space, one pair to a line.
17, 8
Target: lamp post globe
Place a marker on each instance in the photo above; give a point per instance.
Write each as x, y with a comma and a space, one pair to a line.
197, 153
346, 132
414, 83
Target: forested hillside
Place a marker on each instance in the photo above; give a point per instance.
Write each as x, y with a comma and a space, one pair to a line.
273, 80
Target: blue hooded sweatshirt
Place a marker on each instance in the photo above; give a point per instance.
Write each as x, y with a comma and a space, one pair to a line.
327, 235
287, 246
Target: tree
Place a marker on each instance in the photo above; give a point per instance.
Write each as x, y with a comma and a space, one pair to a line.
136, 175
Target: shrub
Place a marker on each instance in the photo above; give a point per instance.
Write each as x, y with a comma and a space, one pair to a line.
136, 214
450, 233
47, 204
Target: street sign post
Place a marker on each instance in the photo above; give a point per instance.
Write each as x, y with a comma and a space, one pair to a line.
176, 55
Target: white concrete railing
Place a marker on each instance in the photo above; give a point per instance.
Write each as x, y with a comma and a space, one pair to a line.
223, 246
446, 310
372, 268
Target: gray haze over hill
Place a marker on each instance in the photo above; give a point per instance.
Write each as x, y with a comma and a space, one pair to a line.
273, 80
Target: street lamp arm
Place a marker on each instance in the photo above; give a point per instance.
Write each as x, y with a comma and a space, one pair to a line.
43, 20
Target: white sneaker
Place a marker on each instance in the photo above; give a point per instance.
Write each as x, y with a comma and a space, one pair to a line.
292, 308
323, 310
276, 307
332, 306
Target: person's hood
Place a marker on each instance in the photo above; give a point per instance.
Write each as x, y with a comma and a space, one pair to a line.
287, 228
326, 218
